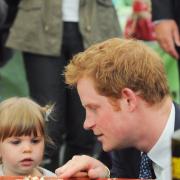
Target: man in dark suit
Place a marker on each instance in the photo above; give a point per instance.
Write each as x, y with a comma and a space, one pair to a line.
129, 159
123, 87
167, 25
3, 11
8, 10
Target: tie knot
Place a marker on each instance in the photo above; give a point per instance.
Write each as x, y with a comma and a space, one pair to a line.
145, 167
145, 158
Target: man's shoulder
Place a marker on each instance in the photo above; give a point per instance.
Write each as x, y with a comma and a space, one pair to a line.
177, 116
125, 163
177, 108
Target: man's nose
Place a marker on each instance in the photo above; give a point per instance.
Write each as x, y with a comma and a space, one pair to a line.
88, 123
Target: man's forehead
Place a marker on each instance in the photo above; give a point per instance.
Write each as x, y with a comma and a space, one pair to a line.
86, 88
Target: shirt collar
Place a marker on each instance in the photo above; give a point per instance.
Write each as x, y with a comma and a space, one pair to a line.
160, 153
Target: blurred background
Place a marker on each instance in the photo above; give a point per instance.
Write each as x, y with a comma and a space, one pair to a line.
12, 75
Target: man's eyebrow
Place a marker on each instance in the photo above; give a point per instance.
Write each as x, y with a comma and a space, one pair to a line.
91, 105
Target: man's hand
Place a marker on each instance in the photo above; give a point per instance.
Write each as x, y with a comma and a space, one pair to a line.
83, 166
167, 35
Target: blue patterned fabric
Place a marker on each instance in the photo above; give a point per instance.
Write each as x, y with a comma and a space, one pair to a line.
145, 167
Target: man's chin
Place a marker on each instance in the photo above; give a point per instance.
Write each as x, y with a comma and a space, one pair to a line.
107, 148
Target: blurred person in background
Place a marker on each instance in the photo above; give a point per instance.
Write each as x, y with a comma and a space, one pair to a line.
167, 25
3, 11
3, 14
8, 10
49, 33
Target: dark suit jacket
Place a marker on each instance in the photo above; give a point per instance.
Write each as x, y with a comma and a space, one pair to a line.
126, 162
6, 53
166, 9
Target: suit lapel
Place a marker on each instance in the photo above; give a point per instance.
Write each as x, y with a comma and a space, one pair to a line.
177, 117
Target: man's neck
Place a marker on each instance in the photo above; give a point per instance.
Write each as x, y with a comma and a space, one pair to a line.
155, 118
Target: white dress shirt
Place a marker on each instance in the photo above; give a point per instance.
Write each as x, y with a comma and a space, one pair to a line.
70, 10
160, 154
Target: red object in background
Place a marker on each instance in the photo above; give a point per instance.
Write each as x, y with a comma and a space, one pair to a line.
139, 25
139, 6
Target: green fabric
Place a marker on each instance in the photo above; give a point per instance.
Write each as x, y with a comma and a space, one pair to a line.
171, 68
12, 79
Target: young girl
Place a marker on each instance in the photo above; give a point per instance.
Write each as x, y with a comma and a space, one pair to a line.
22, 138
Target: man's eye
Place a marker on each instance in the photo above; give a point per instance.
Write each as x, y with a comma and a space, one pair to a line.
93, 109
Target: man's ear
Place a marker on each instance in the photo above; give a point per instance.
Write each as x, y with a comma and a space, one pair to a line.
130, 98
